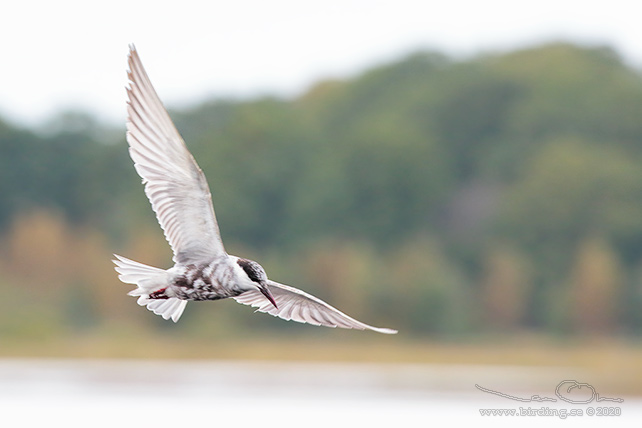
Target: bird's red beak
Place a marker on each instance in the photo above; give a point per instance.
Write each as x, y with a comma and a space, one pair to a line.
266, 292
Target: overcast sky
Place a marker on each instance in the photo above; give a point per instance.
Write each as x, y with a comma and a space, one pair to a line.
71, 54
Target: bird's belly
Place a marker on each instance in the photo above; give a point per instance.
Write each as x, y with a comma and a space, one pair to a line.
199, 294
212, 281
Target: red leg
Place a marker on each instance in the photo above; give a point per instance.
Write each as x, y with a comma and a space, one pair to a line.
159, 294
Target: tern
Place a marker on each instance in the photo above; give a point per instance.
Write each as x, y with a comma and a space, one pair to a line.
180, 197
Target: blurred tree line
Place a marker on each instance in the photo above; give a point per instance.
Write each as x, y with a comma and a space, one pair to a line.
500, 194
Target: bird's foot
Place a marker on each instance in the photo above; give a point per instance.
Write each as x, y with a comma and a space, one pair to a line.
159, 294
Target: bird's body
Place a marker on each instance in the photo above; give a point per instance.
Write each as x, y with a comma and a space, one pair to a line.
203, 281
180, 197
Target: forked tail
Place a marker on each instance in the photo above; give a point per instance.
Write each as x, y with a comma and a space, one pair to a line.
149, 280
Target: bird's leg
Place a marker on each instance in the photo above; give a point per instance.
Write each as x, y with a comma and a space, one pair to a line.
159, 294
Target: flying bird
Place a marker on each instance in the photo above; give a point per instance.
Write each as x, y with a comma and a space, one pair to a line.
180, 197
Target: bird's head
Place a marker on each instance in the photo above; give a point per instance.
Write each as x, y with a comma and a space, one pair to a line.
257, 276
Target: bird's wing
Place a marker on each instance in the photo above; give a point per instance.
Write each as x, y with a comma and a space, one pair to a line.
174, 184
299, 306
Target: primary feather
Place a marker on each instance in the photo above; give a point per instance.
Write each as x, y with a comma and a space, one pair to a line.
297, 305
174, 184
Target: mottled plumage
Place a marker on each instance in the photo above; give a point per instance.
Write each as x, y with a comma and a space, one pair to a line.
180, 197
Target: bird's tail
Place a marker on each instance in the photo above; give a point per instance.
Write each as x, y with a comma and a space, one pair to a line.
149, 280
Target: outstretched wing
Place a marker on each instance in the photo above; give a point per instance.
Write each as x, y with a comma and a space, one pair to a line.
174, 184
296, 305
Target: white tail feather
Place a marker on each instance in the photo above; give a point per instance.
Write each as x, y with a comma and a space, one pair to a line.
149, 279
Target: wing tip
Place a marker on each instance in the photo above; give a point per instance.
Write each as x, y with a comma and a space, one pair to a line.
132, 53
384, 330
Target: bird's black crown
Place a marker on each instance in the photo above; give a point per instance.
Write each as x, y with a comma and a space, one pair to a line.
253, 270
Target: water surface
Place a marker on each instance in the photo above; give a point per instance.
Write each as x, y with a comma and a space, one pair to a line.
140, 393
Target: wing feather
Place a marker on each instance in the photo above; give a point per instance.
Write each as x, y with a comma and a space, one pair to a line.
174, 184
297, 305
